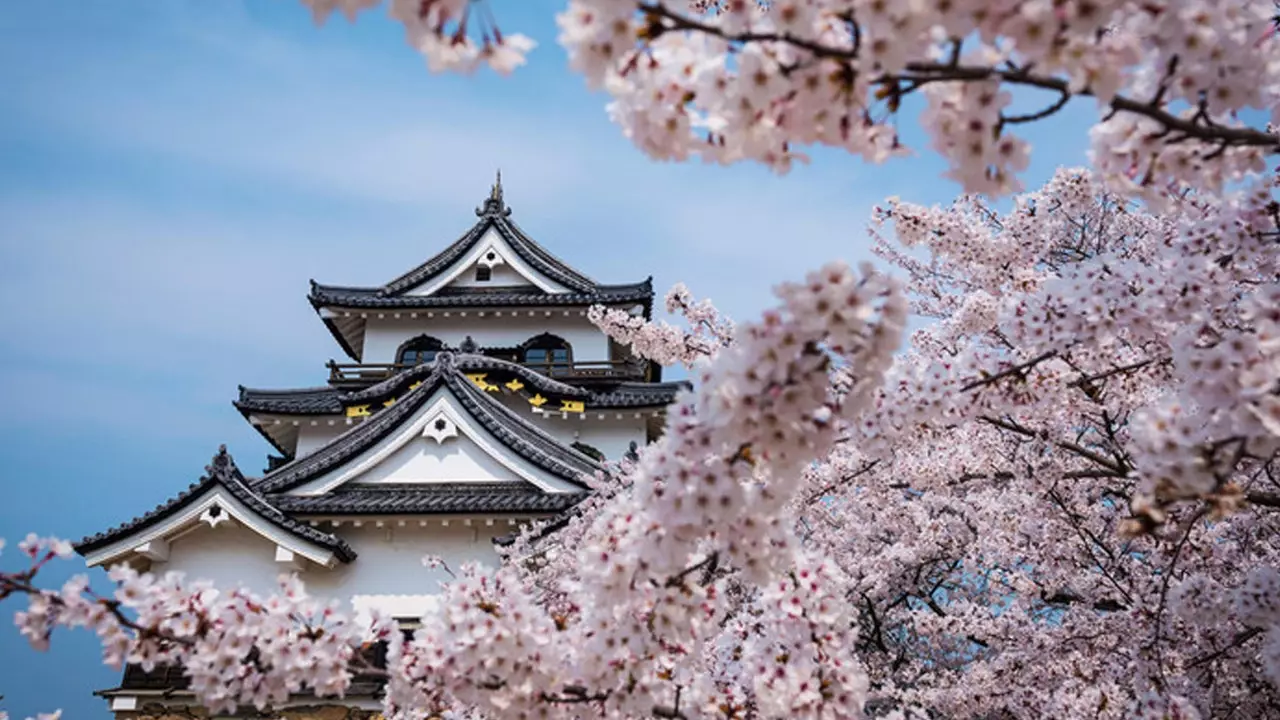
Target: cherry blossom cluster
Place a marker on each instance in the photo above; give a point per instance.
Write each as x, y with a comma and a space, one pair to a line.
743, 80
802, 661
238, 650
1067, 479
489, 647
664, 343
709, 496
1079, 439
453, 35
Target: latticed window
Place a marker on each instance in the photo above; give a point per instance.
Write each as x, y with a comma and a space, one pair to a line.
548, 352
421, 349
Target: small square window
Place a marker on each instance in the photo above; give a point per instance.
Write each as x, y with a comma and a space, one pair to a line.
483, 274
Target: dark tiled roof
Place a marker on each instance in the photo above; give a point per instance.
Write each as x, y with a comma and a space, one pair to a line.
302, 401
494, 215
359, 297
441, 498
331, 401
513, 431
222, 471
625, 395
467, 363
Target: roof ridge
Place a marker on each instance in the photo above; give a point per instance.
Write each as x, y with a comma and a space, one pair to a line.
451, 485
546, 440
527, 439
317, 389
451, 252
221, 470
492, 214
317, 461
517, 237
464, 361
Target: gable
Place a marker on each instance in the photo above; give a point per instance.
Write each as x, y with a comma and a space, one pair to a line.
456, 459
213, 508
491, 251
440, 443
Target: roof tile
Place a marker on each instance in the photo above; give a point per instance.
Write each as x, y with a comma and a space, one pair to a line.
222, 471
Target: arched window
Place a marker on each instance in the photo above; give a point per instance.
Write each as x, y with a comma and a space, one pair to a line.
421, 349
548, 353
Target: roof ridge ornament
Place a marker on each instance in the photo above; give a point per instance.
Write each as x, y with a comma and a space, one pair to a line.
494, 205
221, 466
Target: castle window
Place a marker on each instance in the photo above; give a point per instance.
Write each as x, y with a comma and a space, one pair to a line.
483, 274
421, 349
550, 352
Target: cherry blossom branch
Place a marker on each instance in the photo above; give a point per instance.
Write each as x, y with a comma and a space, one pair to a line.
1268, 500
662, 20
1239, 640
1017, 371
1110, 465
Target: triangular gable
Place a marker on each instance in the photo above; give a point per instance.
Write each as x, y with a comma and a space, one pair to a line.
443, 431
440, 443
220, 497
495, 241
496, 255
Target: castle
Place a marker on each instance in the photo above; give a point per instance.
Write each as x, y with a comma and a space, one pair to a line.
477, 397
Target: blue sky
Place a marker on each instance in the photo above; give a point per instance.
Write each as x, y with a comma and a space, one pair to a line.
172, 172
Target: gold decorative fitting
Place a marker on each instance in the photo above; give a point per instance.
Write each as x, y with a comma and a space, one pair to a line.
416, 385
572, 406
479, 380
537, 401
389, 403
515, 385
358, 411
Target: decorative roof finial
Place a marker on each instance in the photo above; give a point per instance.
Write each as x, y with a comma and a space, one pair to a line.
221, 465
494, 205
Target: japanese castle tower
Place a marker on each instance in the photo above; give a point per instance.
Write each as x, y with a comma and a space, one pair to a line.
477, 396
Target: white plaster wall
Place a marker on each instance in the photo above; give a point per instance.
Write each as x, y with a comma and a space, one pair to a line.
390, 559
500, 276
457, 459
611, 437
492, 242
389, 562
611, 434
312, 437
411, 439
385, 333
228, 556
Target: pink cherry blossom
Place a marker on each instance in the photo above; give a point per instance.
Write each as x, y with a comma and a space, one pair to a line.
1056, 498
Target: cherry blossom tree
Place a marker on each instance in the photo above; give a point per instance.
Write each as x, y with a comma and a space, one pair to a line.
1002, 514
758, 80
1056, 499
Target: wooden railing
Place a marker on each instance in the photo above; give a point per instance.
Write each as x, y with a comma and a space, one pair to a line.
352, 374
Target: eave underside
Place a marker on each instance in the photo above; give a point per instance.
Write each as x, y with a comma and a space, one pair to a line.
346, 311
